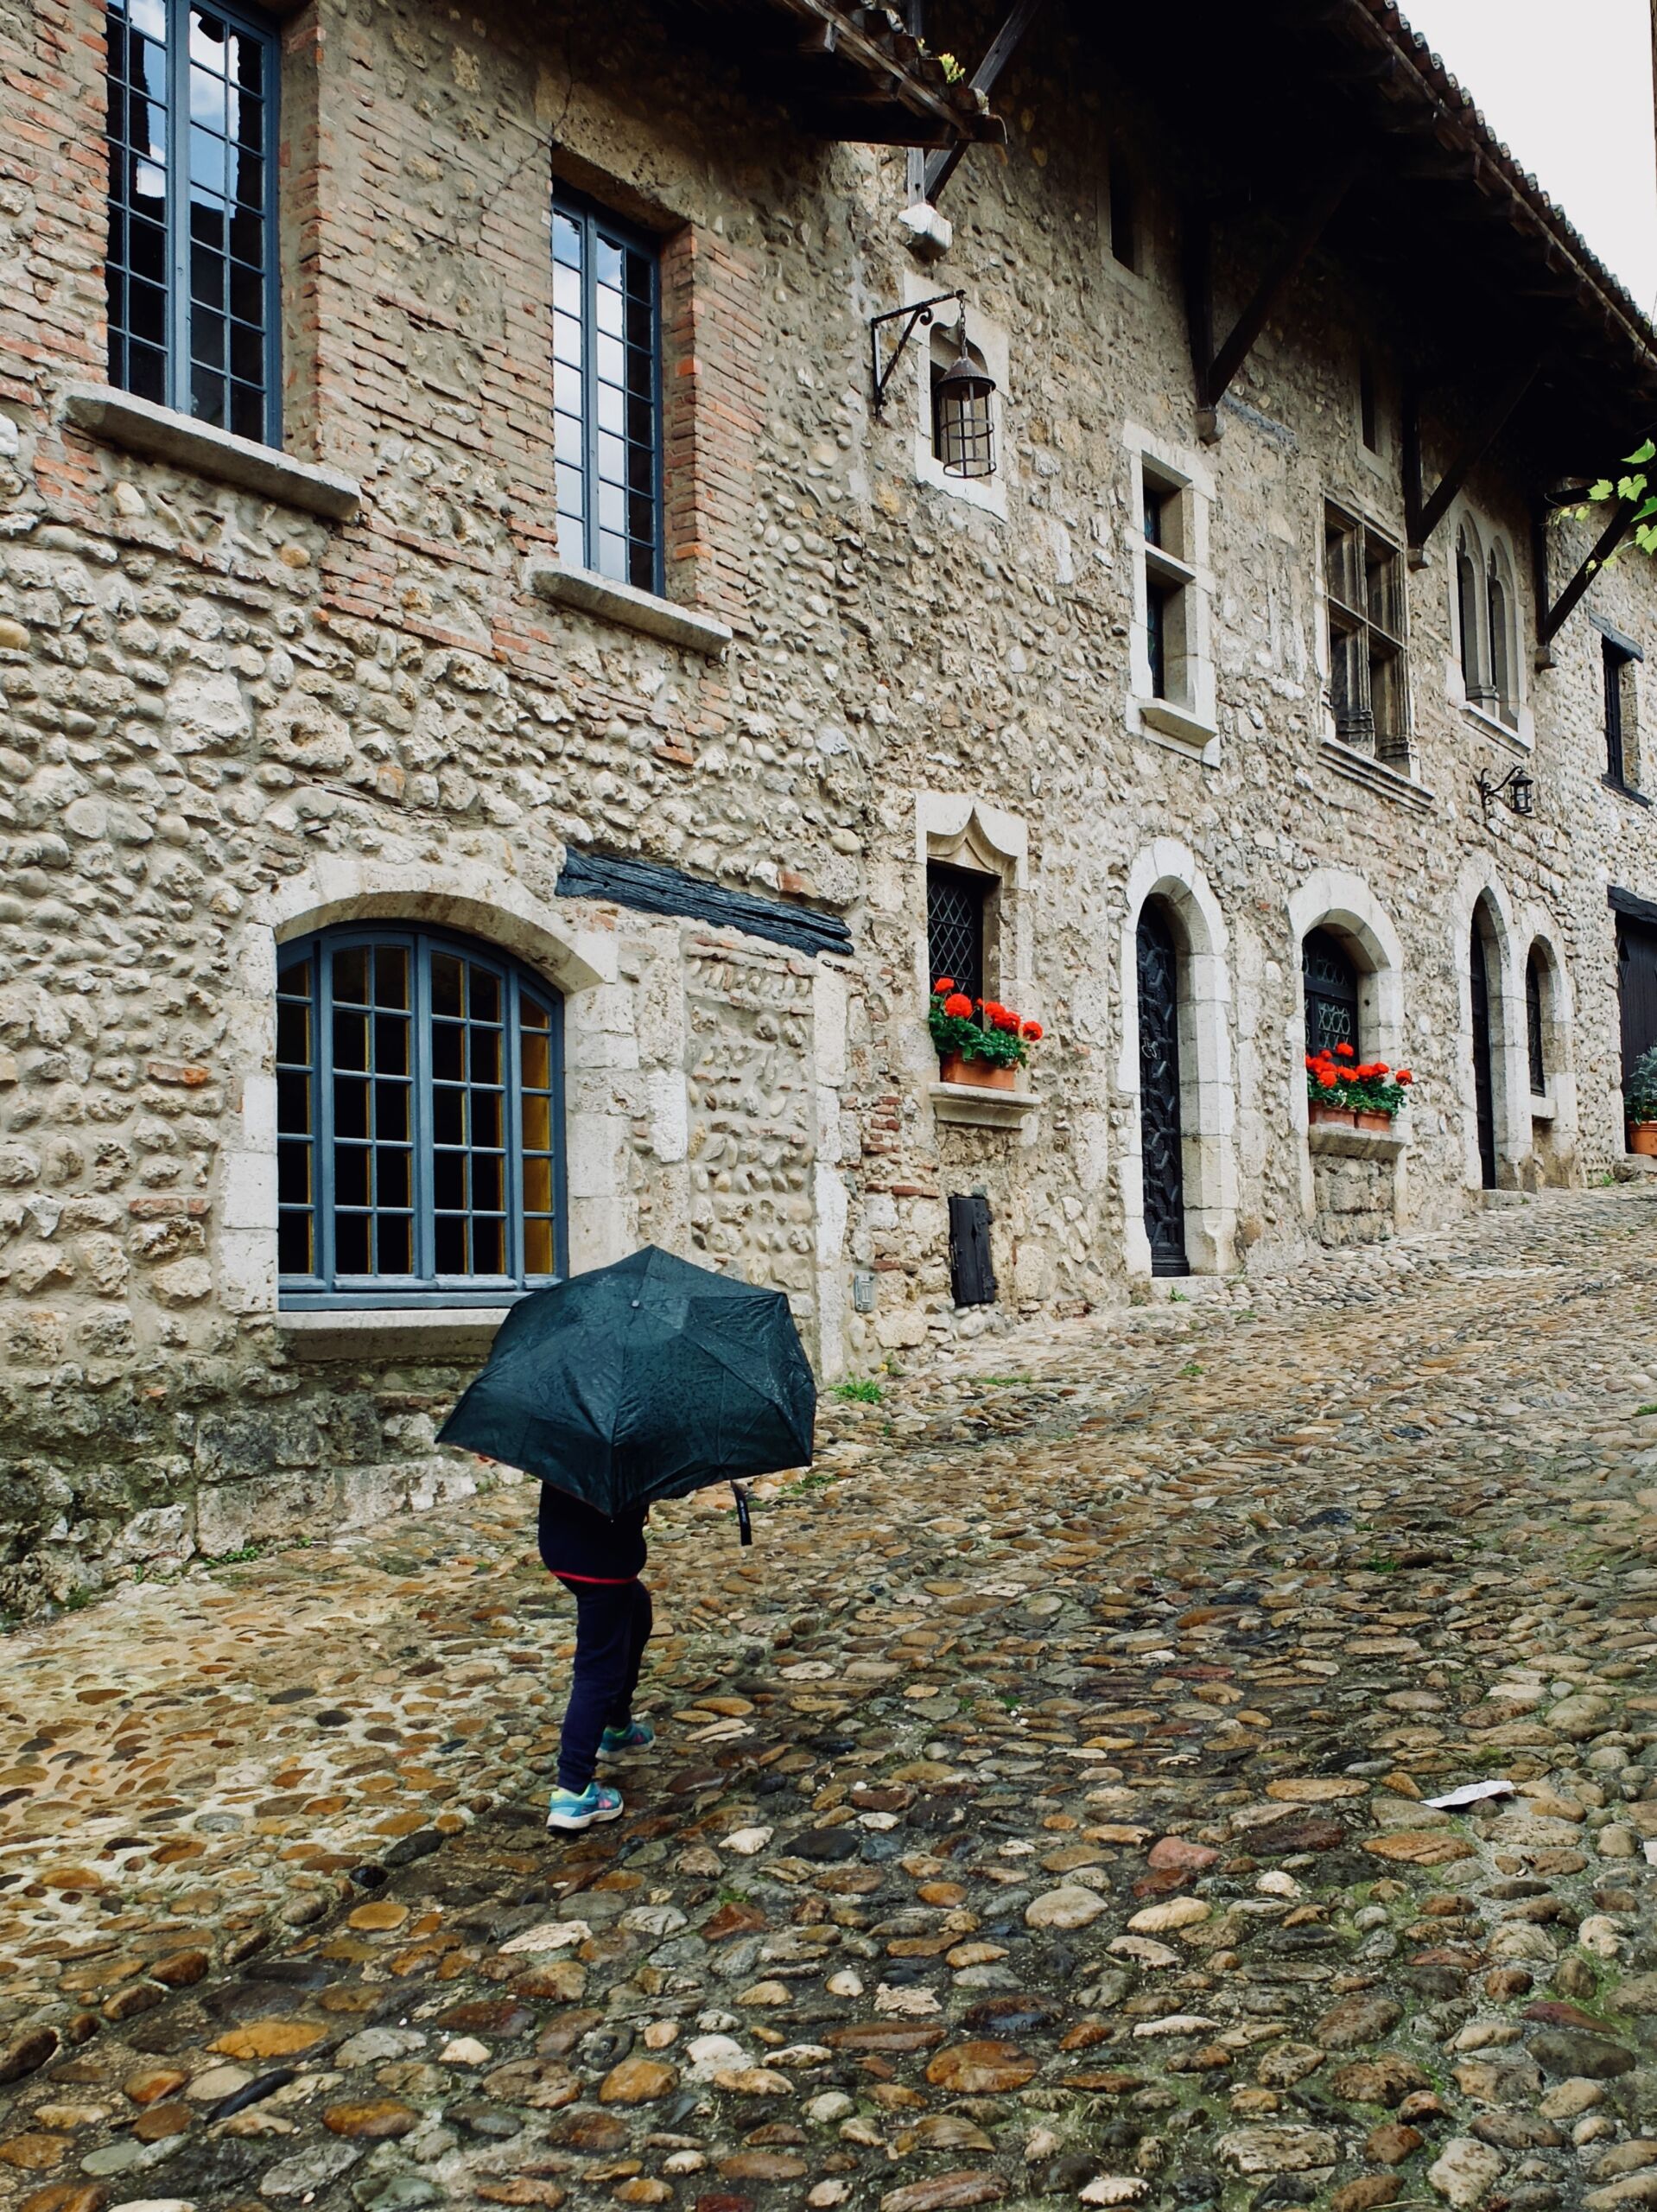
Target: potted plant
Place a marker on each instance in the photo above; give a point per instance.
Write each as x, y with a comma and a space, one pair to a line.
1360, 1094
979, 1041
1640, 1103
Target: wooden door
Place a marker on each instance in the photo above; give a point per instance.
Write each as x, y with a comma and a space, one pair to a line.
1636, 976
1161, 1142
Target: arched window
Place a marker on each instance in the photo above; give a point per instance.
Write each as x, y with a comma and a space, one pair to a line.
1470, 616
419, 1119
1332, 983
1534, 987
1499, 604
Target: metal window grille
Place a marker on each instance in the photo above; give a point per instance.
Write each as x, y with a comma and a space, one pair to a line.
955, 928
1363, 580
1614, 661
420, 1123
1332, 983
607, 389
191, 274
1533, 1027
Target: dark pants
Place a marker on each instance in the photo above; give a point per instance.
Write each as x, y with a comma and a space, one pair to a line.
613, 1626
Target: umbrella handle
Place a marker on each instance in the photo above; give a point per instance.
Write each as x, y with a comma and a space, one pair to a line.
744, 1519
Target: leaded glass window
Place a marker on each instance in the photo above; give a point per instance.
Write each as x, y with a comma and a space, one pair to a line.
955, 927
1369, 692
191, 270
606, 394
420, 1123
1533, 1044
1332, 983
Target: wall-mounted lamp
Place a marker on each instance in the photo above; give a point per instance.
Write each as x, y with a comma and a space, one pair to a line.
1518, 787
961, 395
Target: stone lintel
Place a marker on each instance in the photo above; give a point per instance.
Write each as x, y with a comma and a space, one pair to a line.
383, 1333
632, 608
139, 426
1332, 1140
974, 1107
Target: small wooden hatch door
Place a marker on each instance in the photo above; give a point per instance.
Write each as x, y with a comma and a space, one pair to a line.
971, 1273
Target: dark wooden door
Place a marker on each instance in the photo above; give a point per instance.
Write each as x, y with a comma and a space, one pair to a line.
1484, 1103
1636, 977
1160, 1148
971, 1272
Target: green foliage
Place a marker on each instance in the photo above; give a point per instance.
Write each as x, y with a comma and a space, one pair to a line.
1639, 1091
862, 1393
234, 1558
1635, 488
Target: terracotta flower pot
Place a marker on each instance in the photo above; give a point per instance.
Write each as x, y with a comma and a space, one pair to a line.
1367, 1120
1643, 1137
979, 1075
1342, 1116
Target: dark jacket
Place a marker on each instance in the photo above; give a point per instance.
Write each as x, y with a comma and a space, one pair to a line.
588, 1545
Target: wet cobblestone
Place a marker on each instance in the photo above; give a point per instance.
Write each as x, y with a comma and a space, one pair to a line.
1038, 1816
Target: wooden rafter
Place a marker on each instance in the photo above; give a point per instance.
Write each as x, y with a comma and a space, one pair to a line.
830, 32
1216, 367
1551, 617
1424, 514
941, 167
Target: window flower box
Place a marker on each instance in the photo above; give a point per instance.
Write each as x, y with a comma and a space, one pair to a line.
981, 1043
1357, 1094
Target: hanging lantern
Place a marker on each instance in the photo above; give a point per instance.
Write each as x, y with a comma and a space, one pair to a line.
965, 440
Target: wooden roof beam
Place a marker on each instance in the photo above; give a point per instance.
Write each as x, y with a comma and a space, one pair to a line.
1423, 515
983, 81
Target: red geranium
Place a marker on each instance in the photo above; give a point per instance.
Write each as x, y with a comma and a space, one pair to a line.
1326, 1076
1032, 1031
959, 1005
1404, 1076
1345, 1052
944, 984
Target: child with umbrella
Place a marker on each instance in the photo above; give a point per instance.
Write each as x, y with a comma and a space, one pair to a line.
648, 1379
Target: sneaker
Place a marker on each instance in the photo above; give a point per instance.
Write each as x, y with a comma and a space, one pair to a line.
581, 1808
636, 1736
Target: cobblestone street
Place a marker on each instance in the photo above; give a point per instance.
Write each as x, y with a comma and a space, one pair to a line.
1037, 1813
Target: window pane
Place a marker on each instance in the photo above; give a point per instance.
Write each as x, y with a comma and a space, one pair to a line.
489, 1247
1384, 598
350, 1107
294, 1245
537, 1186
350, 1040
352, 1181
485, 996
393, 1179
351, 974
1341, 559
293, 1034
395, 1245
486, 1118
448, 984
390, 1044
537, 1247
391, 1112
488, 1190
450, 1244
537, 1124
448, 1180
351, 1245
293, 1103
293, 1173
448, 1115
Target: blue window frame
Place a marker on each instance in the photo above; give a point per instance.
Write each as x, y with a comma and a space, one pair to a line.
607, 393
191, 274
420, 1121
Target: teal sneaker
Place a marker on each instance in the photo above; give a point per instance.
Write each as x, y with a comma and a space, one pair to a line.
573, 1810
636, 1736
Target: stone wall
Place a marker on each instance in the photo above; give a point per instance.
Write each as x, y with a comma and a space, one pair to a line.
226, 722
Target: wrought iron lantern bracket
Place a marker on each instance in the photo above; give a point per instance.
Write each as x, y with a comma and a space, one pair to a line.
917, 316
1517, 787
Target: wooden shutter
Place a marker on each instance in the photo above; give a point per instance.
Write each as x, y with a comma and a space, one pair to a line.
971, 1271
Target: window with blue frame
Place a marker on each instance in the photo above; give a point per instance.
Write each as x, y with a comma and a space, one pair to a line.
191, 274
419, 1119
606, 394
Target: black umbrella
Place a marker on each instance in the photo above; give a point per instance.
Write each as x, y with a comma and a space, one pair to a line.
648, 1379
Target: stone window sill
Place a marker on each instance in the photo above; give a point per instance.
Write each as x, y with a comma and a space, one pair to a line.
973, 1107
1542, 1110
1331, 1141
383, 1333
1625, 790
1375, 775
632, 608
1489, 725
139, 426
1182, 731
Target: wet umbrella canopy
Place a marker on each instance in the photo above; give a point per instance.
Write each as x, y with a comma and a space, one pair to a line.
646, 1380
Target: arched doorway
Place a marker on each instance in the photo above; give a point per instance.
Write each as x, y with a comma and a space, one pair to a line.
1484, 1089
1161, 1136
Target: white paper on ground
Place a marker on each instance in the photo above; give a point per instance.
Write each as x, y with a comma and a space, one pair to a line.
1470, 1793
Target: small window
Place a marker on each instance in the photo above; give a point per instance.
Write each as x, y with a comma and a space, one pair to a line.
606, 394
1470, 622
1332, 983
1124, 213
1368, 404
420, 1121
1363, 575
956, 910
191, 273
1169, 577
1499, 607
1534, 1026
1616, 661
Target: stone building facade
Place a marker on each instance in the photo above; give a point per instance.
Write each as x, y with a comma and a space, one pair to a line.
358, 681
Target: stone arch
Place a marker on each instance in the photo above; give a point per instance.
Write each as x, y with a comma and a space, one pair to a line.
1168, 871
487, 903
1336, 901
1481, 901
